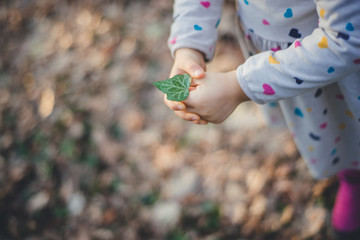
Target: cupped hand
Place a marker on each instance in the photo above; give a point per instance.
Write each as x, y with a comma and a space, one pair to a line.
192, 62
215, 96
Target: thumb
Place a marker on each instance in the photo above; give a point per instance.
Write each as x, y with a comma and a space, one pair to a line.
192, 100
194, 69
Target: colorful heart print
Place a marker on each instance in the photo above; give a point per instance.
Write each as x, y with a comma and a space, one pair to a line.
268, 90
273, 104
273, 60
173, 40
298, 80
276, 49
331, 70
205, 4
350, 114
288, 13
217, 23
343, 36
197, 27
323, 125
318, 92
333, 152
298, 112
265, 22
314, 136
313, 161
323, 43
349, 27
294, 32
335, 161
342, 126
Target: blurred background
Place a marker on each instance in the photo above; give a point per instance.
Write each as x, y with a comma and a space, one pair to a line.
88, 150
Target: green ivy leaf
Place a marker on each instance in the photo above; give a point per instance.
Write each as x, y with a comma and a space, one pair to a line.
176, 88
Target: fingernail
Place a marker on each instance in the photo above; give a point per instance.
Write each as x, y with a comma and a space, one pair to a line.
194, 118
198, 73
180, 107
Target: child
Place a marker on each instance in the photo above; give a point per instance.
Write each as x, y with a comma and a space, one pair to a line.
306, 59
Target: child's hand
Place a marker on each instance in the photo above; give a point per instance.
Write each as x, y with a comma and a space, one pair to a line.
192, 62
215, 96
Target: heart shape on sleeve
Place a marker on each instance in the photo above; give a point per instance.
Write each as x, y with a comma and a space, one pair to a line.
205, 4
197, 27
268, 90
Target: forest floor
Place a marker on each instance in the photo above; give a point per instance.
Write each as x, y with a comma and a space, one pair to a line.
88, 150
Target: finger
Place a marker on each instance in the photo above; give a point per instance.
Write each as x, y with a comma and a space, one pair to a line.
201, 122
194, 98
174, 105
195, 70
187, 116
191, 67
195, 82
194, 110
192, 88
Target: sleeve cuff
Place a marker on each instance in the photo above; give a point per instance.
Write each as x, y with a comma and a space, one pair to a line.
209, 55
244, 86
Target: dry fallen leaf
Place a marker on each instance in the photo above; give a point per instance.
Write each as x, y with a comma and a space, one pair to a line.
47, 102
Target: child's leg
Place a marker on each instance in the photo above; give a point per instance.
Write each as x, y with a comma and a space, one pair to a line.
346, 212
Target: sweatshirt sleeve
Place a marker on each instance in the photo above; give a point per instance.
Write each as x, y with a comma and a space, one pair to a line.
327, 55
195, 26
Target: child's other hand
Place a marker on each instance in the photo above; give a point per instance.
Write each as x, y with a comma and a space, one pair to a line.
189, 61
215, 96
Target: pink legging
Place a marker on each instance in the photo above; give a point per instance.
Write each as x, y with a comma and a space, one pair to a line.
346, 212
